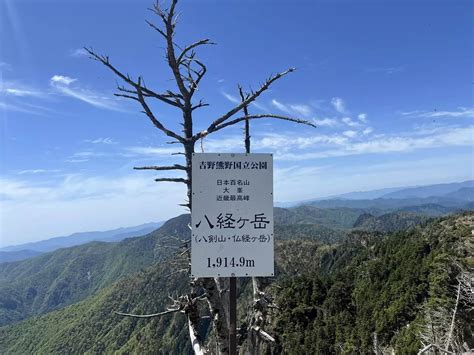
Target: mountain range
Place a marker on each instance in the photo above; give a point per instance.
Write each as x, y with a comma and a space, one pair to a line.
28, 250
332, 294
431, 200
462, 191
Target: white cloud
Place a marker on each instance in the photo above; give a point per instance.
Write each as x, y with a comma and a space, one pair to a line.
362, 117
304, 182
348, 121
63, 85
259, 106
88, 154
79, 52
271, 142
329, 122
61, 79
15, 89
18, 97
152, 151
368, 130
339, 105
386, 70
16, 108
84, 156
449, 137
350, 134
462, 112
81, 203
279, 142
231, 98
293, 109
22, 92
303, 110
37, 171
101, 140
16, 189
281, 107
76, 160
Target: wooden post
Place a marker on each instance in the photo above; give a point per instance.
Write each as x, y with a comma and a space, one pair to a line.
233, 280
233, 316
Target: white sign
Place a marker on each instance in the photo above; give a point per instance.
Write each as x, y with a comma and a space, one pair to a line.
232, 215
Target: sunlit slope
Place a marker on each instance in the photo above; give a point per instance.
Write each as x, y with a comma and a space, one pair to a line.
53, 280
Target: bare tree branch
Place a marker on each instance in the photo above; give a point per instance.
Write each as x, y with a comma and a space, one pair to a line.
192, 46
148, 315
430, 346
127, 96
199, 75
453, 319
157, 29
254, 117
243, 97
218, 311
152, 117
177, 272
185, 181
247, 101
105, 61
200, 104
263, 334
195, 342
170, 52
174, 167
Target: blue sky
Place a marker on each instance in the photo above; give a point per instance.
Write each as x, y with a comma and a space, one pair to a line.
389, 85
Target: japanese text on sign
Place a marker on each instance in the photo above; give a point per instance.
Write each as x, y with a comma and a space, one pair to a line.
232, 215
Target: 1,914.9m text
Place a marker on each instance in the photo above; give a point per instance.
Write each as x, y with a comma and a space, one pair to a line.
230, 262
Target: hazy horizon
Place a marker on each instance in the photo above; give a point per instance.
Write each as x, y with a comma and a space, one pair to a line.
277, 203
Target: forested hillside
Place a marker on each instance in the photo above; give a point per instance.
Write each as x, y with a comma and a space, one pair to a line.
332, 299
389, 222
390, 287
56, 279
65, 276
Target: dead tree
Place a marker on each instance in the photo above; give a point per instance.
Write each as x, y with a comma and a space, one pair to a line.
187, 73
256, 319
441, 331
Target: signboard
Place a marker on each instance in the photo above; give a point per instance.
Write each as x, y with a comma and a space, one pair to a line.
232, 215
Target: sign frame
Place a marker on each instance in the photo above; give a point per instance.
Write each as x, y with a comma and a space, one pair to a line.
232, 215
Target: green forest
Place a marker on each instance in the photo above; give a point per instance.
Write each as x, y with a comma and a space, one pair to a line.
336, 290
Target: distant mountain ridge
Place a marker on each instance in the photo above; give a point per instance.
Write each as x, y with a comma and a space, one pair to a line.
433, 206
432, 200
433, 190
457, 190
365, 195
466, 193
114, 235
